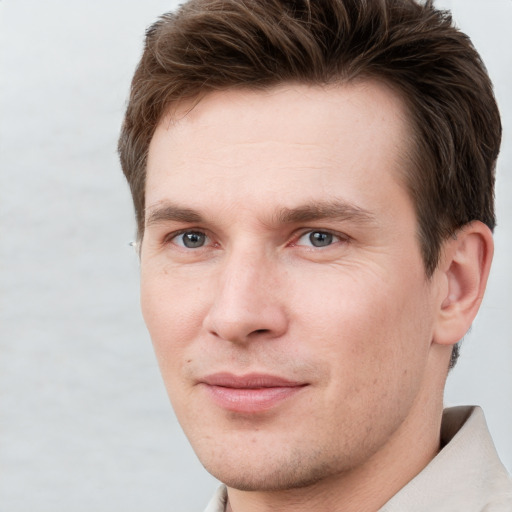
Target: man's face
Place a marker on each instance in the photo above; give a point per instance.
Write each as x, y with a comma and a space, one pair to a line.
282, 281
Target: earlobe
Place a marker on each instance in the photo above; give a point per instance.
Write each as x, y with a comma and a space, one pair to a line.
464, 268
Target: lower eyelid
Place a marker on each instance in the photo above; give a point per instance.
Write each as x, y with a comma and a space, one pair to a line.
170, 238
336, 237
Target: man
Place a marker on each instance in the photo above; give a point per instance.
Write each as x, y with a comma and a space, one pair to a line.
313, 185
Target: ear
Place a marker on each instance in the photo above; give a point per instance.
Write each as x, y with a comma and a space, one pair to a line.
463, 271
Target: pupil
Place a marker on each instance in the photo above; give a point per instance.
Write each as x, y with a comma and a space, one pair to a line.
319, 239
193, 240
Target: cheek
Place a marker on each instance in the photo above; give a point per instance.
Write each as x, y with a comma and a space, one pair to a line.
172, 311
375, 352
367, 324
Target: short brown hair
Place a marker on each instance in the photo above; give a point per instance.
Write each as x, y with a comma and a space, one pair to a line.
208, 45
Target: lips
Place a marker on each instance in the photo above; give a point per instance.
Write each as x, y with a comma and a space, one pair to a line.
249, 393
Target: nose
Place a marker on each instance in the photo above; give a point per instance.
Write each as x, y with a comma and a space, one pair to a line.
247, 302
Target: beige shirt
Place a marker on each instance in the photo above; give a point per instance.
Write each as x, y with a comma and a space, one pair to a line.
465, 476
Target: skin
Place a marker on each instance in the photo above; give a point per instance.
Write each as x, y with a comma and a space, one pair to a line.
252, 178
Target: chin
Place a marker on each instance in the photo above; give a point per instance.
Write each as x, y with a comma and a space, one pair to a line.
272, 475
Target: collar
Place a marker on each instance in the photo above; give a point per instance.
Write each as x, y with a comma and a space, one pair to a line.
466, 474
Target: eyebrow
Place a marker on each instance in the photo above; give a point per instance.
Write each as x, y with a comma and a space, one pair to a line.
170, 212
335, 210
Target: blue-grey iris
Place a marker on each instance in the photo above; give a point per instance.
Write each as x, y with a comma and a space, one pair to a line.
193, 239
320, 238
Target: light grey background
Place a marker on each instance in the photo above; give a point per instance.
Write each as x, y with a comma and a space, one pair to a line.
84, 419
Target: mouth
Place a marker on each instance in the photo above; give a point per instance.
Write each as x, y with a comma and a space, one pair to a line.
251, 393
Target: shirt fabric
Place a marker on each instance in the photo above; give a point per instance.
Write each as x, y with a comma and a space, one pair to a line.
465, 476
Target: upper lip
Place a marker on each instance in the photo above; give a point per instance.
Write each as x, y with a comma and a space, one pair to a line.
249, 381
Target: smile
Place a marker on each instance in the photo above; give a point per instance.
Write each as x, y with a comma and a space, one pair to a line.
250, 393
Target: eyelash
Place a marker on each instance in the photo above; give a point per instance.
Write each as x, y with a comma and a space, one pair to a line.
169, 239
336, 238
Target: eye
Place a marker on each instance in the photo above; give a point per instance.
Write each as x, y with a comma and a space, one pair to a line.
318, 239
190, 239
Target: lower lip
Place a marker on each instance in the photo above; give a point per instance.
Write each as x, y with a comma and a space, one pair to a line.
251, 400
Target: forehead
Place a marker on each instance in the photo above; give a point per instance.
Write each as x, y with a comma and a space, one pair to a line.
284, 143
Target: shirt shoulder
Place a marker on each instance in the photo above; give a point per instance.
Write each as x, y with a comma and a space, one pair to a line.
467, 473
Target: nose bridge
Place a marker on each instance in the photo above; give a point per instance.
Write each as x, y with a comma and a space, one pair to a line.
242, 271
246, 302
